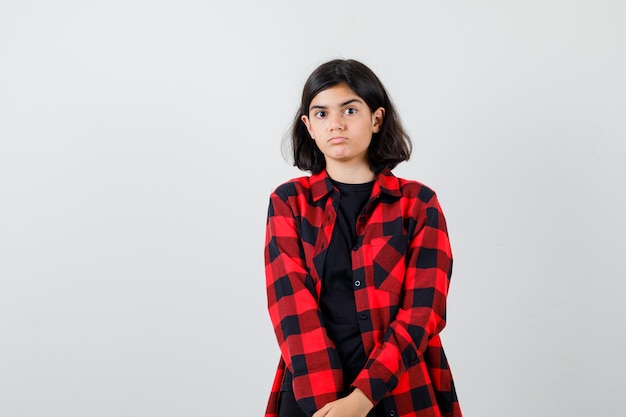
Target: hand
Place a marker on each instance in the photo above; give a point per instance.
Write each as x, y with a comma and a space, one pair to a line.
354, 405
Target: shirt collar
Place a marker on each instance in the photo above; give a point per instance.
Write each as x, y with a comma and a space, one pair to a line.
386, 183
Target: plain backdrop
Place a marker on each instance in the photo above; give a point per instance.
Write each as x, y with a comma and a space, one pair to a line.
139, 142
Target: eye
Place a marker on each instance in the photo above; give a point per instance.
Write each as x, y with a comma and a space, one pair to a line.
350, 110
320, 114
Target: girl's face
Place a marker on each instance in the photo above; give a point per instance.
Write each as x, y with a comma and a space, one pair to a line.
342, 125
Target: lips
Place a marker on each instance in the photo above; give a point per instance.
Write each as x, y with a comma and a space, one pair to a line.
337, 139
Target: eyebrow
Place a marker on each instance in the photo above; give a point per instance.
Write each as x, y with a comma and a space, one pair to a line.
345, 103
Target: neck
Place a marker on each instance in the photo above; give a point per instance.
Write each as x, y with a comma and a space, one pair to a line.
358, 174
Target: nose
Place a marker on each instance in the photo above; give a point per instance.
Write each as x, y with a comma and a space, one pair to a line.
336, 121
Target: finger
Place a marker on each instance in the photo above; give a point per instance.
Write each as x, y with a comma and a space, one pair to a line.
322, 411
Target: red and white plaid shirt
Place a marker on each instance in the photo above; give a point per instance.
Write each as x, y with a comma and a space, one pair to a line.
401, 273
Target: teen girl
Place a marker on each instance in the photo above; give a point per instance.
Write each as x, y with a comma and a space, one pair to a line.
358, 263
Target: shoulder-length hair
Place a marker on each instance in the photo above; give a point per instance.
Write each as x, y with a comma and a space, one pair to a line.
390, 146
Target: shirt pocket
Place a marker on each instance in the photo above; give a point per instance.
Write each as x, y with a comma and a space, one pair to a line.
388, 265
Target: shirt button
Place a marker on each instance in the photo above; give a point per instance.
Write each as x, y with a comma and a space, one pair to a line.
362, 316
355, 248
362, 219
392, 413
357, 283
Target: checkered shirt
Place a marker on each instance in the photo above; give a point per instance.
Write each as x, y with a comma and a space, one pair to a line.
401, 264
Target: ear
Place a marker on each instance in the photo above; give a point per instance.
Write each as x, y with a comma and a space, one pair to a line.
378, 116
307, 123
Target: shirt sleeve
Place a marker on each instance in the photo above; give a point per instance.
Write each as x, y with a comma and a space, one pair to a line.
292, 303
421, 314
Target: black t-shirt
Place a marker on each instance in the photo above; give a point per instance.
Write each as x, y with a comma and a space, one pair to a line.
337, 297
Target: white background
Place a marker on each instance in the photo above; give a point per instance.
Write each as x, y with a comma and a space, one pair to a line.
139, 141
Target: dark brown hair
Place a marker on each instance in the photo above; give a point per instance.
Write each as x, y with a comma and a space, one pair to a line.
390, 146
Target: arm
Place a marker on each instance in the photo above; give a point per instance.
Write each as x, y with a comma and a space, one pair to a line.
421, 312
294, 312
